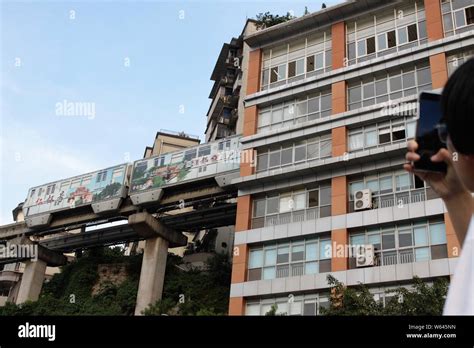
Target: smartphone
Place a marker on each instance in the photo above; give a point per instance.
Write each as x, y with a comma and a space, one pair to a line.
430, 116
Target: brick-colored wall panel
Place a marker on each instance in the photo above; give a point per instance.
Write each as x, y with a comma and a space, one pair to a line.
439, 70
236, 306
253, 72
244, 211
338, 91
239, 254
250, 121
454, 247
238, 272
339, 140
434, 23
339, 238
338, 36
339, 195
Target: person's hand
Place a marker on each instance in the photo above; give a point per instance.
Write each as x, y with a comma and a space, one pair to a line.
446, 185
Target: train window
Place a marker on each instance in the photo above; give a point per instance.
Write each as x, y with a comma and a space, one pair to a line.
225, 145
189, 155
204, 151
86, 180
177, 157
32, 193
40, 191
116, 175
101, 176
159, 162
75, 183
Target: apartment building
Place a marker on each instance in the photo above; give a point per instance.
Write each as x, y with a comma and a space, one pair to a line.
330, 102
225, 114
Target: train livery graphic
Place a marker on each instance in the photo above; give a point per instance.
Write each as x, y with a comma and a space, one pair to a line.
87, 189
104, 190
196, 162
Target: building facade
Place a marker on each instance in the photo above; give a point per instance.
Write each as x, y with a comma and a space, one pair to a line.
330, 102
225, 114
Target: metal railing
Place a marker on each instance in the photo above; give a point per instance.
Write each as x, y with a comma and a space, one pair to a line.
395, 199
286, 218
395, 257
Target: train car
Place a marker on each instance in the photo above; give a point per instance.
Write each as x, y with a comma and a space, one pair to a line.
216, 159
103, 190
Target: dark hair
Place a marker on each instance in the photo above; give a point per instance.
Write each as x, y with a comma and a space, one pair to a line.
457, 103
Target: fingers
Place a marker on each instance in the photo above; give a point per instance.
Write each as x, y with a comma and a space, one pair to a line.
442, 155
412, 145
408, 167
412, 156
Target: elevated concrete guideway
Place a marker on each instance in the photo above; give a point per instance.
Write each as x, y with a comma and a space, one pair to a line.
159, 223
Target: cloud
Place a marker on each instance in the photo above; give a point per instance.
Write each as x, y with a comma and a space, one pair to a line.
28, 159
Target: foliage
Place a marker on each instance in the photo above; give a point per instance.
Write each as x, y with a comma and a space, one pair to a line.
108, 191
70, 291
195, 292
138, 172
267, 20
423, 299
203, 292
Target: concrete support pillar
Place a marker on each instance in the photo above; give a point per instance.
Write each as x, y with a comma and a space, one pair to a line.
31, 281
152, 275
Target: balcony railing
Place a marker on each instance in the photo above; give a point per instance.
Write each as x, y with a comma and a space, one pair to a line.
399, 199
291, 216
395, 257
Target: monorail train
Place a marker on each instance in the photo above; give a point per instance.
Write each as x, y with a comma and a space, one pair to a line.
104, 189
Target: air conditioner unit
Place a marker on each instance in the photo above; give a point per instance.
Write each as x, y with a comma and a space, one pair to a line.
365, 255
362, 199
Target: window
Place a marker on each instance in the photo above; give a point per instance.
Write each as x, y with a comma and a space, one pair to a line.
319, 61
274, 159
403, 243
299, 110
382, 41
371, 45
470, 15
300, 153
318, 147
421, 237
361, 48
259, 208
283, 254
437, 233
310, 63
262, 162
313, 198
402, 36
189, 155
391, 39
356, 141
398, 132
412, 33
256, 258
281, 63
204, 151
384, 135
278, 73
287, 156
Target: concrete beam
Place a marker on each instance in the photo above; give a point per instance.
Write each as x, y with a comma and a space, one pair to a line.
31, 281
147, 226
152, 274
52, 258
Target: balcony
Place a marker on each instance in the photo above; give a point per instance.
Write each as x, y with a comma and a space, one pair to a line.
291, 216
398, 199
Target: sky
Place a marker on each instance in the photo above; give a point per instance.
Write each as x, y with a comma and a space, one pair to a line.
139, 66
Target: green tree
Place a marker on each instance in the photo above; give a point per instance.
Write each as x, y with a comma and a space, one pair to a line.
423, 299
267, 20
